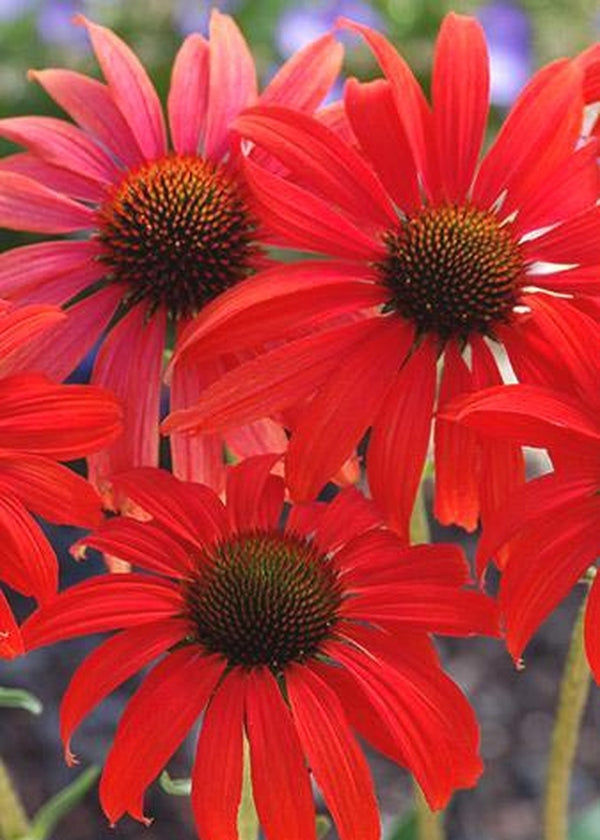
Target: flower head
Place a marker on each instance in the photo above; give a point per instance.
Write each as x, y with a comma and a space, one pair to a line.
292, 636
166, 229
439, 254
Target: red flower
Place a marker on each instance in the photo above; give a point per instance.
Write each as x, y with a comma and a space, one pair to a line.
166, 231
435, 250
40, 424
294, 636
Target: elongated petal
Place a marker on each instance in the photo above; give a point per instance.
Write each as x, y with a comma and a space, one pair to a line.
305, 79
400, 436
154, 724
27, 563
335, 758
26, 205
11, 643
344, 518
254, 496
54, 177
217, 778
573, 242
460, 101
279, 777
109, 665
20, 327
45, 261
188, 95
232, 85
111, 602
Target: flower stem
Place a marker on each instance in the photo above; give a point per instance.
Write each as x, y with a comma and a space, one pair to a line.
429, 824
13, 819
572, 697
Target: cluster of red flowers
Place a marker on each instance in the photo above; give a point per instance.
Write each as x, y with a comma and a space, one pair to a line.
290, 623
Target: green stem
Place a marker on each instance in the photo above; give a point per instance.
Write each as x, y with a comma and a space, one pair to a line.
574, 689
429, 824
13, 819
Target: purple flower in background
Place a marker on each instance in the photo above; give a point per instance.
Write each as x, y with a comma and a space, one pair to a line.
13, 9
508, 30
54, 21
192, 15
306, 21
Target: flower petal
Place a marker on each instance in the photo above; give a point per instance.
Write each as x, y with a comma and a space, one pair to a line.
254, 496
188, 94
27, 205
65, 181
28, 563
46, 261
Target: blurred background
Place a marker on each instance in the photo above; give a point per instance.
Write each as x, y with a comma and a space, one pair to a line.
515, 709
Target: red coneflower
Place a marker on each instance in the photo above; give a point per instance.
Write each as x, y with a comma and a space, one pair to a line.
41, 423
440, 253
167, 230
289, 636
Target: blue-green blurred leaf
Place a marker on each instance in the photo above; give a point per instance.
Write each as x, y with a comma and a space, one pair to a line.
587, 825
404, 829
50, 814
323, 825
17, 698
175, 787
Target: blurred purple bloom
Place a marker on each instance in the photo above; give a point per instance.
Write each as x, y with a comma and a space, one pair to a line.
192, 15
54, 22
508, 30
13, 9
308, 20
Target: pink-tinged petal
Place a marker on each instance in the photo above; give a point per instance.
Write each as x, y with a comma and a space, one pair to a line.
280, 785
271, 303
11, 643
592, 630
457, 451
61, 144
575, 241
129, 364
109, 602
303, 220
565, 193
342, 411
540, 132
109, 665
532, 505
91, 105
191, 512
372, 104
130, 88
424, 713
217, 777
270, 382
59, 421
44, 262
344, 518
304, 81
320, 161
141, 544
27, 205
49, 489
232, 85
400, 437
254, 496
336, 760
153, 726
27, 563
59, 352
65, 181
410, 102
460, 90
334, 116
20, 326
188, 95
258, 438
544, 565
529, 415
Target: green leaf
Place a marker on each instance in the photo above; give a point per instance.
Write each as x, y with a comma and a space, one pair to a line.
50, 814
323, 825
247, 817
587, 825
175, 787
404, 829
17, 698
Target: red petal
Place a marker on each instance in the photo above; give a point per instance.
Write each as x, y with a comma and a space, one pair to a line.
575, 241
217, 779
188, 95
280, 783
27, 205
254, 496
154, 724
344, 518
339, 767
11, 643
460, 101
45, 261
23, 327
109, 665
71, 184
28, 562
400, 438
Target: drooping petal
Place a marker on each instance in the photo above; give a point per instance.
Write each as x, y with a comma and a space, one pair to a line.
109, 665
279, 776
154, 724
27, 205
188, 94
217, 777
21, 327
27, 562
341, 412
460, 93
11, 643
232, 82
335, 758
400, 436
254, 496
